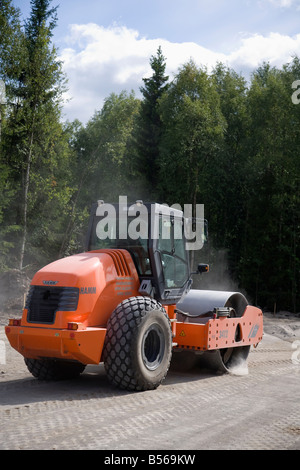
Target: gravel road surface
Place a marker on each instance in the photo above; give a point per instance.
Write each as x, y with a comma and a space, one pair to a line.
194, 409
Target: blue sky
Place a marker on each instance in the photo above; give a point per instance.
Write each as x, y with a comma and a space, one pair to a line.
106, 44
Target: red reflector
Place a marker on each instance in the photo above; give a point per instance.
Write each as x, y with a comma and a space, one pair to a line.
14, 322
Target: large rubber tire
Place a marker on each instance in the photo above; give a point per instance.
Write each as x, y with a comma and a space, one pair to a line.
138, 344
52, 369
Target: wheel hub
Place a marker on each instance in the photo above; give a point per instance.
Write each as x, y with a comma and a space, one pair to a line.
153, 347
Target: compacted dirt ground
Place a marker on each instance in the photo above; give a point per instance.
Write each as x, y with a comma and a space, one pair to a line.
192, 410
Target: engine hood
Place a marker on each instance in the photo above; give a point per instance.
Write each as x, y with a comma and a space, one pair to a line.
104, 278
71, 271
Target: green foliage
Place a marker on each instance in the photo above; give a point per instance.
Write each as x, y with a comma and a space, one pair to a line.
102, 162
270, 254
149, 126
35, 151
192, 134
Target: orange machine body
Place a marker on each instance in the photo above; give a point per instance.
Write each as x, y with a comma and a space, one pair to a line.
221, 333
104, 278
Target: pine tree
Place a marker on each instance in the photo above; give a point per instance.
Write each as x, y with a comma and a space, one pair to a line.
150, 122
42, 80
34, 139
10, 59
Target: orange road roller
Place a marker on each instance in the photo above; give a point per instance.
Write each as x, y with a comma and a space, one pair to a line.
127, 301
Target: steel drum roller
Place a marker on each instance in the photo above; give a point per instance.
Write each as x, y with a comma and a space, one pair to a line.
198, 307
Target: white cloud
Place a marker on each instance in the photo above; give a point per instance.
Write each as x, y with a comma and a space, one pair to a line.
284, 3
293, 5
99, 61
275, 48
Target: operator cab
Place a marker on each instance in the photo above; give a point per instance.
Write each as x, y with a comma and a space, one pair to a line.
154, 235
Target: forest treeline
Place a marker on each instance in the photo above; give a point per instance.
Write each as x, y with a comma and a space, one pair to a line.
212, 138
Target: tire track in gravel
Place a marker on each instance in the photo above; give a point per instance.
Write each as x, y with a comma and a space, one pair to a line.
192, 410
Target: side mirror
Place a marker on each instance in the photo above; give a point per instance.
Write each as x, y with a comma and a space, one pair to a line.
202, 268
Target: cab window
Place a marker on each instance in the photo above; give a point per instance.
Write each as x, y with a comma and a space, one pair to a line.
171, 245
